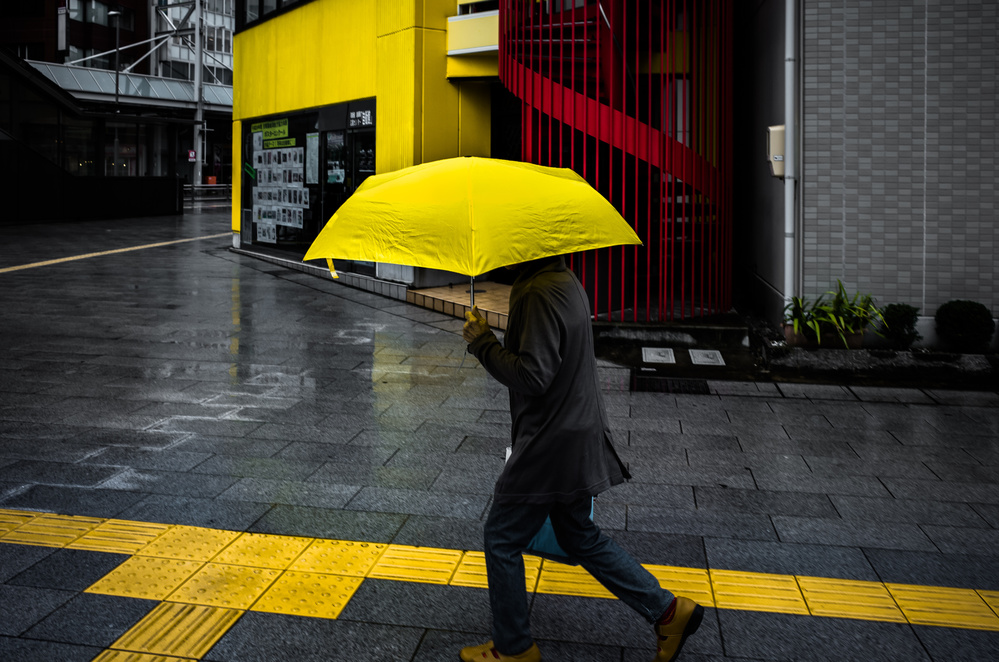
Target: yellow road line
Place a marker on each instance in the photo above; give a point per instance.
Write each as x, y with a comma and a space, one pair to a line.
206, 579
47, 263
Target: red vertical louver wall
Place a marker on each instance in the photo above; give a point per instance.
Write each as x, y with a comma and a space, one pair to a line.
636, 96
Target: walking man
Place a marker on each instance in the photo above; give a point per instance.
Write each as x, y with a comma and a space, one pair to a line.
562, 456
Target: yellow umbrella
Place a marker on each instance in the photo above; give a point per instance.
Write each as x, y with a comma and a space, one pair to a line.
469, 215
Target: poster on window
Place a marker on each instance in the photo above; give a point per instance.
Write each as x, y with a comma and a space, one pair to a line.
312, 158
266, 233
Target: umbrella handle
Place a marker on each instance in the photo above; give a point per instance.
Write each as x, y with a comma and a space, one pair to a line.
471, 292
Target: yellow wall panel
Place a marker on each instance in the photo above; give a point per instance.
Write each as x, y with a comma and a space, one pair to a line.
474, 122
440, 100
318, 54
397, 103
237, 174
473, 32
477, 65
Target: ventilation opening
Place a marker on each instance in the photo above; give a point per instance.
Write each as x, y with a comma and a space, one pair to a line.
651, 383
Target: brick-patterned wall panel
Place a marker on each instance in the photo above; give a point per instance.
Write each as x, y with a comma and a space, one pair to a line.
900, 169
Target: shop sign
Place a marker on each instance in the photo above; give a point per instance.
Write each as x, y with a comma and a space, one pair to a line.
271, 130
361, 118
283, 142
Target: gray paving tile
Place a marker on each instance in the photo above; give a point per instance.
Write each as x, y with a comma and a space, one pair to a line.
838, 466
68, 569
891, 394
656, 495
789, 559
904, 488
415, 502
90, 619
700, 442
662, 548
891, 452
958, 644
30, 650
245, 467
768, 461
964, 472
232, 447
53, 451
55, 473
816, 391
972, 398
963, 540
230, 515
988, 512
169, 483
293, 493
415, 605
260, 637
907, 510
204, 426
326, 523
701, 523
787, 637
443, 532
376, 476
732, 477
160, 460
86, 502
812, 484
15, 558
609, 623
132, 438
853, 533
334, 452
21, 606
783, 445
763, 502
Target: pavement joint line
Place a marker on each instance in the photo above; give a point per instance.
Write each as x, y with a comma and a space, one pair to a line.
206, 579
85, 256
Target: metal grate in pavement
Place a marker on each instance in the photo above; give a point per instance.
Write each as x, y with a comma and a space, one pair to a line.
653, 383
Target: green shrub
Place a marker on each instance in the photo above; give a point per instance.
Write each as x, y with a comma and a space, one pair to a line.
899, 326
966, 326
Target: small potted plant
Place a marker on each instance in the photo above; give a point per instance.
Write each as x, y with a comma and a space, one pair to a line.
834, 318
801, 328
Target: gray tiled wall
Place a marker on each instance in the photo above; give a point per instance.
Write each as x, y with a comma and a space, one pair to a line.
900, 173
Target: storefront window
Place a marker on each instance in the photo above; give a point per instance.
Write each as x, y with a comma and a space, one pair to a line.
299, 168
97, 12
120, 150
78, 146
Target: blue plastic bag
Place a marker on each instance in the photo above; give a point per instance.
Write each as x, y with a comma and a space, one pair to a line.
545, 545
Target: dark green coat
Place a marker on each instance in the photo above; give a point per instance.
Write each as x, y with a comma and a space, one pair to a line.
562, 448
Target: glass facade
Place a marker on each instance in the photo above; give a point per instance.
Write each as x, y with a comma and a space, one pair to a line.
251, 11
298, 168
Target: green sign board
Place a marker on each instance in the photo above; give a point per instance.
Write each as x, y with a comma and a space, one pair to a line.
284, 142
272, 129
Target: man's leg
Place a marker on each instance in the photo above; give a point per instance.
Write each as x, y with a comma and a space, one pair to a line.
613, 567
508, 529
674, 619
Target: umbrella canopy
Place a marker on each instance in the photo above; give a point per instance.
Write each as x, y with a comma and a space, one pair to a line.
470, 215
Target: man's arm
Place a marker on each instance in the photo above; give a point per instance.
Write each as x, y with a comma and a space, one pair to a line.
530, 370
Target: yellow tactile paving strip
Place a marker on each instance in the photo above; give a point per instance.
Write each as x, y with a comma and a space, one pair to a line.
205, 579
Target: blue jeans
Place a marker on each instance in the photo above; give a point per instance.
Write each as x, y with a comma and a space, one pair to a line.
510, 526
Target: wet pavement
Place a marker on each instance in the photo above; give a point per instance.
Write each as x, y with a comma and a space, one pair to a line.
160, 405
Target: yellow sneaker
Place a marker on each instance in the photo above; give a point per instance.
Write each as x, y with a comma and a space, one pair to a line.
488, 653
672, 635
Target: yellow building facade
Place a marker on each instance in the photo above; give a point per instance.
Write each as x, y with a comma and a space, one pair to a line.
330, 91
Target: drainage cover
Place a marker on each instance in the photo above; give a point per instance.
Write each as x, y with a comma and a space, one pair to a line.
653, 383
